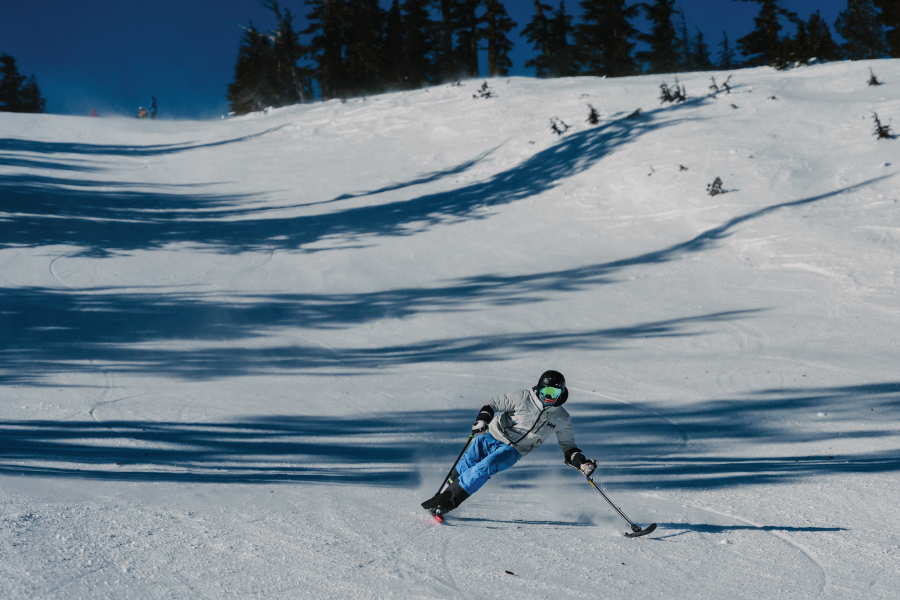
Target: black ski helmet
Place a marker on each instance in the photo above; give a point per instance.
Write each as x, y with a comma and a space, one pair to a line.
557, 380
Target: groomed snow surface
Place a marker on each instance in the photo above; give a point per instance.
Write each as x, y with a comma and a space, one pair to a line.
237, 354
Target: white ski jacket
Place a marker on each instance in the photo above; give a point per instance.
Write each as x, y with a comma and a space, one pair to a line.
522, 421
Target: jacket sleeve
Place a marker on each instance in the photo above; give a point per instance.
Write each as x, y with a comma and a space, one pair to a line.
486, 414
503, 403
566, 438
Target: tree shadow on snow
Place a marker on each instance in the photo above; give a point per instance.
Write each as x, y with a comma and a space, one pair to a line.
636, 449
381, 449
57, 148
46, 324
73, 212
55, 331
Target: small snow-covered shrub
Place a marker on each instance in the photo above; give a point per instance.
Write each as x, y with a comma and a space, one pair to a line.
558, 126
882, 132
872, 79
673, 94
593, 115
484, 92
715, 188
715, 89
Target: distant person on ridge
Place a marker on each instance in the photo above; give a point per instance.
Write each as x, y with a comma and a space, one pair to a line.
94, 112
152, 107
142, 114
512, 426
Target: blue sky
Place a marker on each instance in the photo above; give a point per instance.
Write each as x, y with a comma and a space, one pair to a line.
113, 55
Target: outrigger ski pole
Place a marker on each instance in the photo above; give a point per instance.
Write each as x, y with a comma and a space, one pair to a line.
431, 504
635, 530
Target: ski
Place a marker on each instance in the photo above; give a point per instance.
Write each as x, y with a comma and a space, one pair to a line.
639, 532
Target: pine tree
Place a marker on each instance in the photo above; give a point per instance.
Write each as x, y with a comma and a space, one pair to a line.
726, 54
889, 17
700, 55
862, 30
326, 22
363, 46
764, 45
662, 56
465, 25
292, 84
32, 102
682, 43
448, 67
394, 67
537, 33
419, 45
822, 45
10, 85
605, 37
564, 58
497, 25
812, 40
253, 73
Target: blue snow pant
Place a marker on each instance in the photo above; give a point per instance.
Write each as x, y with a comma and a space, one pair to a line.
483, 458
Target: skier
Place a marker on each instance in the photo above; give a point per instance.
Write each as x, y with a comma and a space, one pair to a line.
512, 426
152, 107
142, 114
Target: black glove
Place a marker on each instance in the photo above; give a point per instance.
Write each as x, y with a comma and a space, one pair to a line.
481, 421
588, 467
576, 459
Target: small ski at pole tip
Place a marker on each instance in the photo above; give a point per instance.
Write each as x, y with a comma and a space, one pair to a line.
640, 532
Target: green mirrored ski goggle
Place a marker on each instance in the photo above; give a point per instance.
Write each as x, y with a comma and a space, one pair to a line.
550, 392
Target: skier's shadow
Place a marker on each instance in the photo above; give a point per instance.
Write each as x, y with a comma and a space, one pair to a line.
678, 529
525, 522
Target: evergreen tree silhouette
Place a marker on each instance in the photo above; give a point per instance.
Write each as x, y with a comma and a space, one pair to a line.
662, 56
394, 68
253, 73
419, 44
889, 17
363, 46
605, 37
292, 83
465, 26
861, 29
32, 102
726, 54
326, 21
497, 25
564, 58
812, 40
447, 61
10, 85
682, 42
700, 56
537, 33
764, 45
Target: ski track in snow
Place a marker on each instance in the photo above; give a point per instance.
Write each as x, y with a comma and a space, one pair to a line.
685, 437
826, 578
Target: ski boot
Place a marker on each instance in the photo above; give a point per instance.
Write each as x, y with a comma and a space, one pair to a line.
446, 501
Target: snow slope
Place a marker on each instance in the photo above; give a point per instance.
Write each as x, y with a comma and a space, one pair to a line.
237, 355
